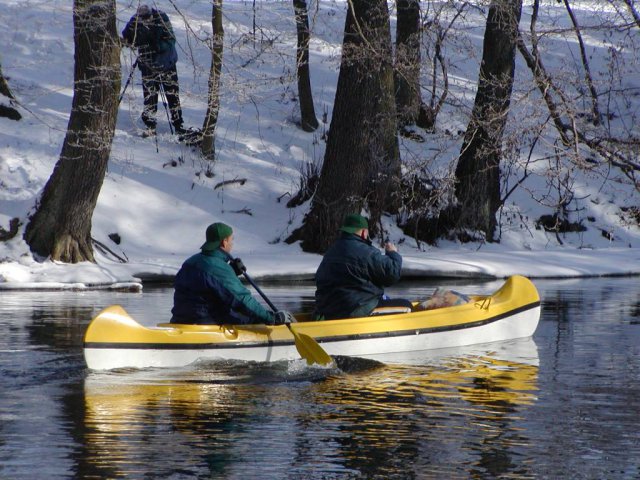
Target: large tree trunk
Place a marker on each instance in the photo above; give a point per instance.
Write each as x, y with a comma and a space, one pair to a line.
213, 107
308, 120
407, 72
362, 162
7, 111
478, 169
61, 225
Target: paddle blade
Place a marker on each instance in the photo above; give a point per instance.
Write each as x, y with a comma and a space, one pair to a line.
309, 349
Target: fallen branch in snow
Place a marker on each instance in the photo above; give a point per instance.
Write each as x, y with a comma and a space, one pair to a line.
107, 251
241, 181
244, 210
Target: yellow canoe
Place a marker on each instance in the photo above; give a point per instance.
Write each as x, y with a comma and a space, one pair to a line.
115, 340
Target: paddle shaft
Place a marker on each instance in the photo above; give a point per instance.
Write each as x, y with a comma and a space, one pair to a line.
266, 299
307, 347
253, 284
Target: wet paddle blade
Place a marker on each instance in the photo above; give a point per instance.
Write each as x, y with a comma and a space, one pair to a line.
309, 349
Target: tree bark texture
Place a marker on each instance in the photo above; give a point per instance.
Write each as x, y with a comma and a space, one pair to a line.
407, 71
208, 148
61, 226
478, 168
362, 161
308, 120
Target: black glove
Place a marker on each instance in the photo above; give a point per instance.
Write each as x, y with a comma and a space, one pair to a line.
238, 266
283, 317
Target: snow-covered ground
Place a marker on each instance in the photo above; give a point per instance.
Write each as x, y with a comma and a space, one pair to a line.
159, 198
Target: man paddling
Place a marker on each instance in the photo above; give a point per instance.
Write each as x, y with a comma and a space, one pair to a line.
351, 278
208, 291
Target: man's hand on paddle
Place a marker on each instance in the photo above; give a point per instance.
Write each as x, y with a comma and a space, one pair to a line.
238, 266
283, 317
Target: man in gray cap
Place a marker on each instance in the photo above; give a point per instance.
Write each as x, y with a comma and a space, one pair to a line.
208, 291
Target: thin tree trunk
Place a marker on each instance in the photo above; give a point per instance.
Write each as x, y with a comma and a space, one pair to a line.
633, 11
61, 225
595, 111
407, 66
478, 169
362, 162
213, 105
308, 120
429, 113
544, 82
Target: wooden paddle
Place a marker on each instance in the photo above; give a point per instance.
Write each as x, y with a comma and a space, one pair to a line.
307, 347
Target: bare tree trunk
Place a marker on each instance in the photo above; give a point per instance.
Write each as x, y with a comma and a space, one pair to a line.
7, 111
308, 119
362, 162
407, 65
429, 113
208, 147
61, 225
478, 169
595, 111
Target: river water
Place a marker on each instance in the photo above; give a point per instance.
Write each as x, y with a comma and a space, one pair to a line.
562, 404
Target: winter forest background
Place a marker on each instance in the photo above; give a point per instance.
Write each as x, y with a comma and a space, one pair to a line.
446, 122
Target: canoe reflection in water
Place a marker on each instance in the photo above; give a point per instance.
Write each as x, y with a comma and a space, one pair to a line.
429, 414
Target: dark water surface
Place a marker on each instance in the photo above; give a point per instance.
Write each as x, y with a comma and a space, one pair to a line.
563, 404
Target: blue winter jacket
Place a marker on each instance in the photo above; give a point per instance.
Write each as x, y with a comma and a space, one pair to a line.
207, 291
351, 278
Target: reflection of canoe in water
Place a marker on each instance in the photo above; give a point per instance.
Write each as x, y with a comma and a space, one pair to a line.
221, 408
114, 340
482, 379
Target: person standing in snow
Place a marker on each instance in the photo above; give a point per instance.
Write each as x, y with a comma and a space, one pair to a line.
208, 291
150, 31
351, 278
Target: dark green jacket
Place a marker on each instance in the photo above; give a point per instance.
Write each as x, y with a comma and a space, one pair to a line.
207, 291
351, 278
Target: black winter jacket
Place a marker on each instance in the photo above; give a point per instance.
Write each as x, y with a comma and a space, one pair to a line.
351, 278
154, 38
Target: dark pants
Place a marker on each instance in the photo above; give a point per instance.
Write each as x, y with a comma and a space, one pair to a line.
151, 85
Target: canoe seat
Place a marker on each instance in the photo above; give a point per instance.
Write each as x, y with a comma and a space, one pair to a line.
389, 310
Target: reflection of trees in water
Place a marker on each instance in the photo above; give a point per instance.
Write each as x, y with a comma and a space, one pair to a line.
74, 413
589, 413
432, 421
60, 328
